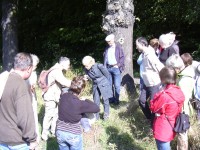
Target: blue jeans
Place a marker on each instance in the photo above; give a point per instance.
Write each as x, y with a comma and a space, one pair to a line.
106, 105
115, 80
163, 145
16, 147
69, 141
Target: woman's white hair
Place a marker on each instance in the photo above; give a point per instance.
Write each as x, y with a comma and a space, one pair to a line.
165, 40
88, 60
35, 59
175, 61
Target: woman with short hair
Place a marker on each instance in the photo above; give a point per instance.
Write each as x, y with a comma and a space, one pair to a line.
70, 111
166, 105
183, 66
101, 85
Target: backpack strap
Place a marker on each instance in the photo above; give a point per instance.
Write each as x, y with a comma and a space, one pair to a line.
198, 69
51, 69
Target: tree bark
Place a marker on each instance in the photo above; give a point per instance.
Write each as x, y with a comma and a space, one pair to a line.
9, 33
119, 20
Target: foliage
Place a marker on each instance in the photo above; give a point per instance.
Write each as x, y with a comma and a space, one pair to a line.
73, 28
69, 28
161, 16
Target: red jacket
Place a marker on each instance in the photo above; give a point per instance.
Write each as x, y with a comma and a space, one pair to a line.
167, 102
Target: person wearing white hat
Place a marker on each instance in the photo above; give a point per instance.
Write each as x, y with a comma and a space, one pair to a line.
114, 61
167, 48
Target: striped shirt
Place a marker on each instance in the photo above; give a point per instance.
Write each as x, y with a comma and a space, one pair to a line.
69, 127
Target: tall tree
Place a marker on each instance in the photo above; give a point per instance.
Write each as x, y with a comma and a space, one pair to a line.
9, 32
119, 20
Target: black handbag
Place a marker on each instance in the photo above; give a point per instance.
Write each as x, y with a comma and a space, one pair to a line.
182, 123
195, 103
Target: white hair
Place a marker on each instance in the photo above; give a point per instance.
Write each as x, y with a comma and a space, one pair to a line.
88, 60
63, 59
110, 37
165, 40
35, 59
175, 61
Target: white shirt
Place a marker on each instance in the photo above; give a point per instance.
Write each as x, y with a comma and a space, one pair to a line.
111, 55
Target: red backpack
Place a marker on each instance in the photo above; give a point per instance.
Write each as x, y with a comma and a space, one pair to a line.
43, 80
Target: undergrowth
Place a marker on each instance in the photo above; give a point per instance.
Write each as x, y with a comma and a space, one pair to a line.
126, 129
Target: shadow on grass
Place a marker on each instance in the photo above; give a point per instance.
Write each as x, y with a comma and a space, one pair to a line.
120, 141
121, 104
41, 114
140, 126
52, 144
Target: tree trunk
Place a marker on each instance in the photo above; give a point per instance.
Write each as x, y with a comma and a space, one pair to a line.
9, 33
119, 20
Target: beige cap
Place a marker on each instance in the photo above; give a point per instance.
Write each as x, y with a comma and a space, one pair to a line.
110, 37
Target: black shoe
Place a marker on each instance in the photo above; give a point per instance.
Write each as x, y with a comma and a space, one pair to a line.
116, 102
111, 100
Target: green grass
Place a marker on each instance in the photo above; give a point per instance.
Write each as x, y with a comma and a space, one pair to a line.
126, 129
122, 131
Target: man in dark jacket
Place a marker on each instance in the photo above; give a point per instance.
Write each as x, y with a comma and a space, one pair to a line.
17, 119
114, 61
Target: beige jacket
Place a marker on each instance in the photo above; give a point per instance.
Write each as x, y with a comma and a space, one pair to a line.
54, 91
151, 67
186, 83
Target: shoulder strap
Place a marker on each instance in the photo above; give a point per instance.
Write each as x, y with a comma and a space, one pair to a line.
51, 69
198, 69
167, 116
175, 101
168, 121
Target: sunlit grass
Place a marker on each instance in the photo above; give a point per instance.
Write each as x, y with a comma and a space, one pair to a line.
125, 130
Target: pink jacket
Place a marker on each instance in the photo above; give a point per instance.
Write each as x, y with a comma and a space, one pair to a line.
167, 102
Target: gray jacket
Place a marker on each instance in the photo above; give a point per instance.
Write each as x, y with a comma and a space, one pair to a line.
100, 77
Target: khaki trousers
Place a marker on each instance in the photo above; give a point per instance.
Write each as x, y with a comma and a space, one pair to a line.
50, 117
182, 141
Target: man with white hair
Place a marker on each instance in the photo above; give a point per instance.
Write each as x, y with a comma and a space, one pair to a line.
32, 82
114, 61
56, 80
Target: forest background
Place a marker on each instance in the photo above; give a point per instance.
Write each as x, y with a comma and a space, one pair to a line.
73, 28
51, 29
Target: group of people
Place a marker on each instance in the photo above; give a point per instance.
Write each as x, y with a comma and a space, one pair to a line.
167, 82
166, 79
64, 109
